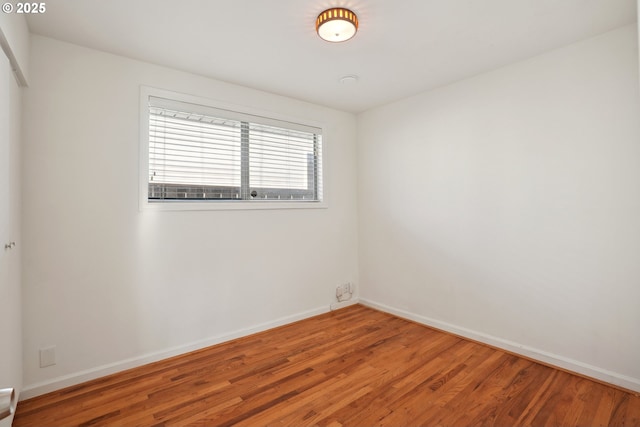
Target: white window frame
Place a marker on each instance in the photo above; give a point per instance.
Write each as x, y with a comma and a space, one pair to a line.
178, 205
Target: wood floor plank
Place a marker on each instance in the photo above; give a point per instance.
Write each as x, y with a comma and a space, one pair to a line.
402, 382
351, 367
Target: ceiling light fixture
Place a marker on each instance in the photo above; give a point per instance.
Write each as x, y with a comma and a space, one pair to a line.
337, 24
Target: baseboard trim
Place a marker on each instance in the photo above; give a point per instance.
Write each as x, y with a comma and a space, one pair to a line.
343, 304
574, 366
37, 389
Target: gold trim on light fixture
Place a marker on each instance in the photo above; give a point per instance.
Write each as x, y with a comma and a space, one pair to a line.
337, 24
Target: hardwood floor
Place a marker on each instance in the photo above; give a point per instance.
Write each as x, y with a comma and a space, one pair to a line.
352, 367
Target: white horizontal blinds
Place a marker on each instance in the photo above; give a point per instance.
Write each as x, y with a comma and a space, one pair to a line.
202, 153
283, 159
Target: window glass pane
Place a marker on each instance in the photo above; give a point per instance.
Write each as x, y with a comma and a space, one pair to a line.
192, 149
281, 158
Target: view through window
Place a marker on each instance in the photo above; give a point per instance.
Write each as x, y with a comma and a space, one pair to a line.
197, 156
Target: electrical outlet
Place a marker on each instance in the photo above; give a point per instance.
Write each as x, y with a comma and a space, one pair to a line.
347, 288
47, 356
343, 292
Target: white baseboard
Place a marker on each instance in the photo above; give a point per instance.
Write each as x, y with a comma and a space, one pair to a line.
561, 362
37, 389
343, 304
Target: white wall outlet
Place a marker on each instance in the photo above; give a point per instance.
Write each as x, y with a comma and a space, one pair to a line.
343, 292
47, 356
344, 296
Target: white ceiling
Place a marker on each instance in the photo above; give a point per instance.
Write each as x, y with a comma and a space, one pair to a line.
403, 46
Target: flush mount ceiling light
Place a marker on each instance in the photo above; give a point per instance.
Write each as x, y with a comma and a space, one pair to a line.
337, 24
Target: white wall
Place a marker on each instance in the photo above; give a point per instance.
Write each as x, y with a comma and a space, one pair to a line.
111, 286
506, 207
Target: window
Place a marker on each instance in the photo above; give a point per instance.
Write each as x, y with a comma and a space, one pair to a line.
197, 153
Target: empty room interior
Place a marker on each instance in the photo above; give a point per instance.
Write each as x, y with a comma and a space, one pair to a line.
243, 212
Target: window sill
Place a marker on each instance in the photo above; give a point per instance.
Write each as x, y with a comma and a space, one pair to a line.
212, 205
